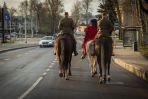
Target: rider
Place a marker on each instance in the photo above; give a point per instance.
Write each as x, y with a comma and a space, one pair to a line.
105, 28
66, 26
90, 33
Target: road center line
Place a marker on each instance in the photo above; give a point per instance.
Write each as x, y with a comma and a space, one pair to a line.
50, 66
47, 70
19, 55
6, 59
44, 74
52, 63
30, 89
26, 53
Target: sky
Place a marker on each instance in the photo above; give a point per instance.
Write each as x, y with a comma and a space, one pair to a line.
67, 4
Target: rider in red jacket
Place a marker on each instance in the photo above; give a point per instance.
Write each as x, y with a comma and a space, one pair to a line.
90, 33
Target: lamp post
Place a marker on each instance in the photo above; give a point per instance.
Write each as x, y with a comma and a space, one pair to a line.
26, 5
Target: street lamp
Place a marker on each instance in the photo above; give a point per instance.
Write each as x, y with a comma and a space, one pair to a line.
26, 5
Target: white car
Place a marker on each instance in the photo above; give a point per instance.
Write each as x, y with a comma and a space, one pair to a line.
47, 41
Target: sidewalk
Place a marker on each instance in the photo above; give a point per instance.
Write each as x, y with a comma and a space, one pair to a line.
18, 44
130, 60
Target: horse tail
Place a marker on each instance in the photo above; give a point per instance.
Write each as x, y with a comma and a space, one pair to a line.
105, 51
64, 50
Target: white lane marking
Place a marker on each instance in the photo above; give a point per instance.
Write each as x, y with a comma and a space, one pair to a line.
47, 70
26, 53
30, 51
35, 84
30, 89
44, 74
50, 66
19, 55
52, 63
7, 59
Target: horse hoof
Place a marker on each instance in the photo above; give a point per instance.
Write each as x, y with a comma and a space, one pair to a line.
60, 74
95, 73
70, 74
101, 80
109, 78
92, 75
66, 78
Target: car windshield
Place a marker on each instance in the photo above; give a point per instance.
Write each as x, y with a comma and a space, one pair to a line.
47, 38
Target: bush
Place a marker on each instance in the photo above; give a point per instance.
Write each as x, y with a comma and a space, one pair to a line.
144, 51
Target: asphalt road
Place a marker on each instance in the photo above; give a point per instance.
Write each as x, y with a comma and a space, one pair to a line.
32, 73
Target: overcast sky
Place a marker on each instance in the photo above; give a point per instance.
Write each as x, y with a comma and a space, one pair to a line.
67, 4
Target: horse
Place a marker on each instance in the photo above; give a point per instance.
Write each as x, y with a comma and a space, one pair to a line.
91, 58
63, 50
103, 51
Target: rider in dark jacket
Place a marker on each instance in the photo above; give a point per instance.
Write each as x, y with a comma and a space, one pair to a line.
105, 28
66, 26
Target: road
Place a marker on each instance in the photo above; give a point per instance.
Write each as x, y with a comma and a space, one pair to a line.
32, 73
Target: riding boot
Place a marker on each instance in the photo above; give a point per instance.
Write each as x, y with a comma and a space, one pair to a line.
75, 51
74, 46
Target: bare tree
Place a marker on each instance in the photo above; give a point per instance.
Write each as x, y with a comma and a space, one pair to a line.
13, 11
24, 8
33, 13
76, 12
55, 8
86, 4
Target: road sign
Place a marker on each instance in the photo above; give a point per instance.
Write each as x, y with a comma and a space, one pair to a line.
7, 16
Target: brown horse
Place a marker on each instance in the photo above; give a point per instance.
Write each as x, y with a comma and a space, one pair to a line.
63, 50
103, 51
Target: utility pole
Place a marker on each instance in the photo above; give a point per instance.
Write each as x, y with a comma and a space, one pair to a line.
25, 30
26, 21
3, 27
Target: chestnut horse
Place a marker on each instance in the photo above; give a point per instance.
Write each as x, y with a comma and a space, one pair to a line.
63, 50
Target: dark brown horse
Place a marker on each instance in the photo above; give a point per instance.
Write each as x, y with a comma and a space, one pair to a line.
103, 51
63, 50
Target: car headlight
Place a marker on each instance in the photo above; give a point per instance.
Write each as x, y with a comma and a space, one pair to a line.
40, 42
50, 42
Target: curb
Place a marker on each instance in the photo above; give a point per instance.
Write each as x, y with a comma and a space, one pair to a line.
138, 71
16, 48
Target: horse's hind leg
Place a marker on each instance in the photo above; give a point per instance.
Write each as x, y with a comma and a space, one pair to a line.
94, 66
108, 71
69, 68
100, 71
105, 69
66, 74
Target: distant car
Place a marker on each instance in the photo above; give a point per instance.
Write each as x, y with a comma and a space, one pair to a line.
47, 41
14, 34
7, 36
